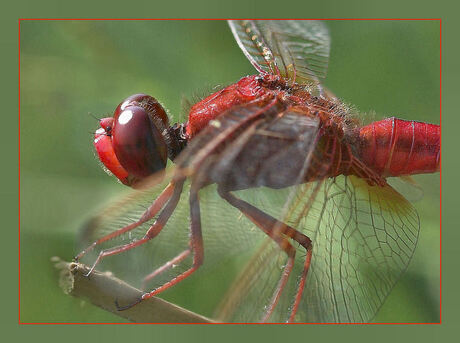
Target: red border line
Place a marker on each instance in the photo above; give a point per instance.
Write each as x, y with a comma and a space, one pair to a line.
19, 170
220, 19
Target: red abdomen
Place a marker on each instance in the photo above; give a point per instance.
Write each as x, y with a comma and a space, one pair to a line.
394, 147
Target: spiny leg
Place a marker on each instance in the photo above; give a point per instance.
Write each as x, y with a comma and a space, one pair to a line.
165, 267
277, 231
195, 247
152, 232
156, 206
301, 286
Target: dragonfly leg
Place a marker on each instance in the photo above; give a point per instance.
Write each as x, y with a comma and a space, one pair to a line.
196, 247
156, 206
152, 232
301, 286
278, 231
165, 267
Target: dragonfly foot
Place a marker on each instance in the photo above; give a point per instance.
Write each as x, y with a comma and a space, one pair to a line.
88, 274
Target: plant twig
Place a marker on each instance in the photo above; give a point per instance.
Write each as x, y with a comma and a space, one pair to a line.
103, 290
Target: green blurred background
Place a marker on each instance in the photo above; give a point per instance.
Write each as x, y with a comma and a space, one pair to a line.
72, 68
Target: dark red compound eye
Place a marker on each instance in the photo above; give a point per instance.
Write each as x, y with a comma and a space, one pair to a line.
131, 144
137, 135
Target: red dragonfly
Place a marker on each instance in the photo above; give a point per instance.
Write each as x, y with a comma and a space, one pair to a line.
275, 167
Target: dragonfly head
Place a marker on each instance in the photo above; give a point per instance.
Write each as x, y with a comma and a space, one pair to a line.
133, 144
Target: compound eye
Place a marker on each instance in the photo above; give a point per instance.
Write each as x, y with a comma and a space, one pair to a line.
137, 136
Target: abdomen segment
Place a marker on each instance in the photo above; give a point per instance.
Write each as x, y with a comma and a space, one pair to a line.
394, 147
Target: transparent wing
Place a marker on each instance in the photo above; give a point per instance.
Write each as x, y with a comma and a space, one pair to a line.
363, 243
250, 293
293, 49
363, 240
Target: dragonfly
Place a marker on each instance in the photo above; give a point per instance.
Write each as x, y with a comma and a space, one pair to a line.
274, 171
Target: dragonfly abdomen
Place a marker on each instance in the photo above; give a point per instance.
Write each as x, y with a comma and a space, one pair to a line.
395, 147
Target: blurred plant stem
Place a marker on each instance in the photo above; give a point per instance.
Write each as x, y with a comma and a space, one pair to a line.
103, 290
